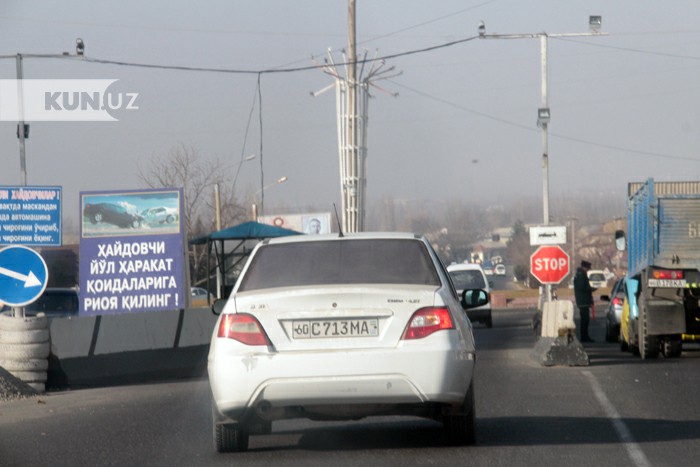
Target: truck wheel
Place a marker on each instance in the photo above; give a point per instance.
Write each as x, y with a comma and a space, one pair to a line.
672, 347
648, 345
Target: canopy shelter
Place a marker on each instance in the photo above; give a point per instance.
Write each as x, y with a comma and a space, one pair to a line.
227, 262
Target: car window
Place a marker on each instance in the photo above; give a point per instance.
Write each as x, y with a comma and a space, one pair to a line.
468, 279
366, 261
597, 277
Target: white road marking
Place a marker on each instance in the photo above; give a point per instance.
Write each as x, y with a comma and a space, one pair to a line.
634, 452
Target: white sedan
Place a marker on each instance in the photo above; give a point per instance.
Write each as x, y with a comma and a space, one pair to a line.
341, 327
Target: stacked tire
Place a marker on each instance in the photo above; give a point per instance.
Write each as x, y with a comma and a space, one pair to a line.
24, 348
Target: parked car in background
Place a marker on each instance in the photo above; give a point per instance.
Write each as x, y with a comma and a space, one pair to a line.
472, 276
342, 327
159, 215
200, 297
597, 278
112, 213
55, 302
613, 312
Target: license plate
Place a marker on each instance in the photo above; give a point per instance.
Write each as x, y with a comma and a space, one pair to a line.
335, 328
672, 283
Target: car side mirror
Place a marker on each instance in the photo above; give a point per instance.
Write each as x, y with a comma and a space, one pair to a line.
620, 243
218, 306
472, 298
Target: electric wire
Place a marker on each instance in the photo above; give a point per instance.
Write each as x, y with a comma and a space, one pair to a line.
530, 129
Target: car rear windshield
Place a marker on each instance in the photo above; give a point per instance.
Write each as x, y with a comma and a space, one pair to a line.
366, 261
468, 279
597, 277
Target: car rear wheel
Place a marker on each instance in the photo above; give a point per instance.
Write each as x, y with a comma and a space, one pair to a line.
460, 428
612, 332
95, 218
229, 437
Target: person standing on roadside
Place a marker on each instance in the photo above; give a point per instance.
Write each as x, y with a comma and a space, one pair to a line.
584, 299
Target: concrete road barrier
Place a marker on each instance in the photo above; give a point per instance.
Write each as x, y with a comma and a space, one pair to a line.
129, 347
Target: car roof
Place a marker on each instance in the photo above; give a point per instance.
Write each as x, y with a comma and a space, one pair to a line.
345, 236
464, 267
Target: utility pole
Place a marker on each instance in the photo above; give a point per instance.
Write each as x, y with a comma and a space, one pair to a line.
20, 123
355, 208
352, 102
543, 113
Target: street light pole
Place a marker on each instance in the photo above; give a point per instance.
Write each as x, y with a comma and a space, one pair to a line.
21, 126
20, 123
543, 113
545, 134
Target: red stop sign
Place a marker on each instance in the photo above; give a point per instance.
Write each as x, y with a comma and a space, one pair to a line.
549, 264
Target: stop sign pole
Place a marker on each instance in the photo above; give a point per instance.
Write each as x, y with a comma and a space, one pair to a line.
549, 264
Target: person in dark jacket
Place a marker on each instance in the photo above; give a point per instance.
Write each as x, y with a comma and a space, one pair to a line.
584, 299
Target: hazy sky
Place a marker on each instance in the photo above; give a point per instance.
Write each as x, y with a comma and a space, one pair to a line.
624, 106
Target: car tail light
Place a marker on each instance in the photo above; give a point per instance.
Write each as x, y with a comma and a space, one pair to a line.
666, 274
427, 321
243, 328
616, 301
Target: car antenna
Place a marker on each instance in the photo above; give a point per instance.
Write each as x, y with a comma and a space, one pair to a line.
340, 229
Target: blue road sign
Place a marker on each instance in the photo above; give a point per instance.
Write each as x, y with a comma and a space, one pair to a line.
23, 275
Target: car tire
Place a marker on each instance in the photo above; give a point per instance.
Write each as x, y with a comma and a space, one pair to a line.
610, 334
228, 437
460, 428
623, 345
169, 219
97, 217
135, 224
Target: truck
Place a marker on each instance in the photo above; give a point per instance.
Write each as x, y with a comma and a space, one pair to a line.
663, 277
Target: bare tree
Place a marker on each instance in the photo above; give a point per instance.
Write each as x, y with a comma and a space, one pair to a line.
182, 167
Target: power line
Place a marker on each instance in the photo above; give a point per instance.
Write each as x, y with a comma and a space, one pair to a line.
239, 71
629, 49
528, 128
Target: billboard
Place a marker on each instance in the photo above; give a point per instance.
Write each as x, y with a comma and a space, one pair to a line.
30, 215
132, 254
309, 223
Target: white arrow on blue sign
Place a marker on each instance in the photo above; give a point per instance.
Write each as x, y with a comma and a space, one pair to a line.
23, 275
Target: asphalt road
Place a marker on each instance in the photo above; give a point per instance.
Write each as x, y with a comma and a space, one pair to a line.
618, 411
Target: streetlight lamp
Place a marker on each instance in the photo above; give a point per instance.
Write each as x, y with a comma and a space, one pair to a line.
262, 190
543, 113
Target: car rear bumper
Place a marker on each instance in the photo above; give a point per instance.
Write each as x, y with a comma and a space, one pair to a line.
405, 375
